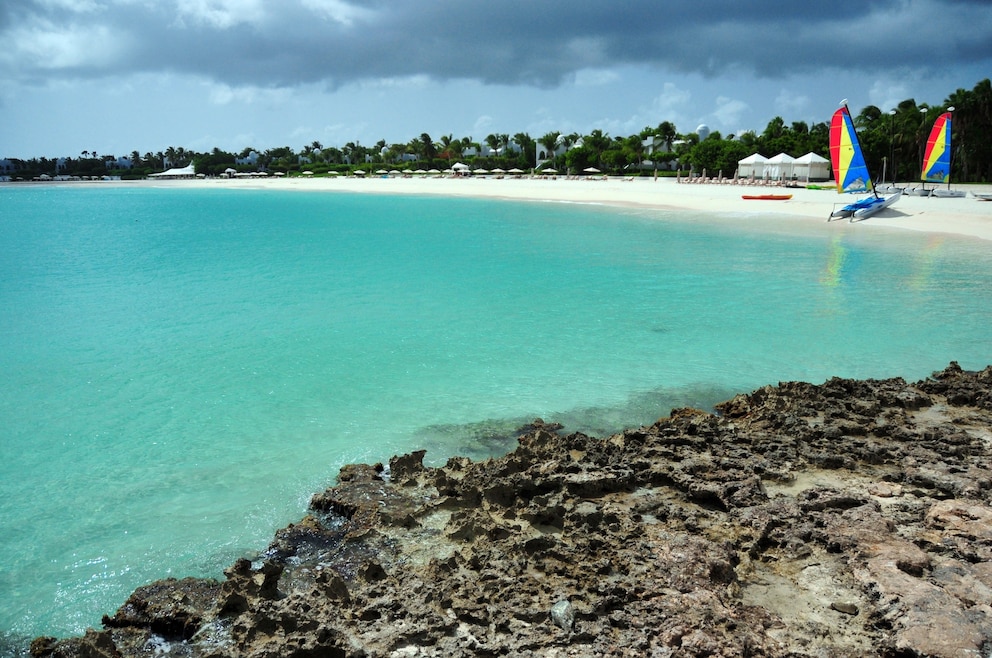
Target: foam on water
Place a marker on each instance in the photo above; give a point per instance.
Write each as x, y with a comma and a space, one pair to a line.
183, 368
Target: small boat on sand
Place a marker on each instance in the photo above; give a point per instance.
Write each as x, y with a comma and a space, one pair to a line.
851, 170
937, 159
767, 197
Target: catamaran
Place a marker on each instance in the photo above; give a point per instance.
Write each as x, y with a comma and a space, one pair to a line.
851, 170
937, 158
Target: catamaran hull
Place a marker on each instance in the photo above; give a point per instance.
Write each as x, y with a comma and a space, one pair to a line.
851, 208
879, 204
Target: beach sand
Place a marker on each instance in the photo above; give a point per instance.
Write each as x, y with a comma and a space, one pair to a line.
965, 216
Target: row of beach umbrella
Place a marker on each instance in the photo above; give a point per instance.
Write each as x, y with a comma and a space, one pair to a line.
457, 168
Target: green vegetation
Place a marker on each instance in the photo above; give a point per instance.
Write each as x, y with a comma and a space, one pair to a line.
893, 141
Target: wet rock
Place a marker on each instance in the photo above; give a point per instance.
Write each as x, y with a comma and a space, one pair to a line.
173, 609
850, 518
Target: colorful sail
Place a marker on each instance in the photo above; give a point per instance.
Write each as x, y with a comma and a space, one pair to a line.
937, 159
850, 169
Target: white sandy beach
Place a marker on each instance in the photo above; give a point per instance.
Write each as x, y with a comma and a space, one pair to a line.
965, 216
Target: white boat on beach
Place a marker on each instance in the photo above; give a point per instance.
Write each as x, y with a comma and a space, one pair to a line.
851, 171
948, 193
937, 159
880, 203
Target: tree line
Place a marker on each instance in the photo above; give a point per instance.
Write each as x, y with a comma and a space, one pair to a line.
893, 141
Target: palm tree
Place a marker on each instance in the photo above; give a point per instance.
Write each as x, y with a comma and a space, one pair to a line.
348, 151
427, 147
550, 142
317, 149
447, 144
493, 142
597, 142
527, 146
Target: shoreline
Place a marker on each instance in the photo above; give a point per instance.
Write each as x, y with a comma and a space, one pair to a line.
966, 216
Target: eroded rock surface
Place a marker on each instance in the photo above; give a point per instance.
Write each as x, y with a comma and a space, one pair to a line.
851, 518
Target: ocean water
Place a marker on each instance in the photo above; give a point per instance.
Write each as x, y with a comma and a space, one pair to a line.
182, 369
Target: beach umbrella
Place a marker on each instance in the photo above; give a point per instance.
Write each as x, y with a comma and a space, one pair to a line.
381, 171
279, 173
549, 171
308, 173
334, 173
591, 170
497, 170
433, 171
359, 172
480, 171
394, 172
516, 171
420, 171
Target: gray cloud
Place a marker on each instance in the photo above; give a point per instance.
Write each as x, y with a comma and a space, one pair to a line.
511, 42
334, 42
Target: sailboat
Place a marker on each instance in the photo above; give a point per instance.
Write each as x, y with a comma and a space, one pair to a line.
937, 158
851, 170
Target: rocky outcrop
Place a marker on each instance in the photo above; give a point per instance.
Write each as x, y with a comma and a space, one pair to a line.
851, 518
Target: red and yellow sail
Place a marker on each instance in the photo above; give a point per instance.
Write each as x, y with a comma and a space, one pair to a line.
937, 158
850, 169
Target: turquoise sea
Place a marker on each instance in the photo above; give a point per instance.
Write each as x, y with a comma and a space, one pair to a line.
183, 368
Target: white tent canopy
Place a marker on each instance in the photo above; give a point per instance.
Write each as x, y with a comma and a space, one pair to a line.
811, 167
184, 172
752, 165
779, 167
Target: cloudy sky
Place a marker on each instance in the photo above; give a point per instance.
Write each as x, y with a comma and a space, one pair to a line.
122, 75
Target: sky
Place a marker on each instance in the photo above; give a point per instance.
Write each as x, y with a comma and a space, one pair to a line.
115, 76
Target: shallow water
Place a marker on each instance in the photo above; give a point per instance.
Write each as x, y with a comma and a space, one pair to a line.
183, 368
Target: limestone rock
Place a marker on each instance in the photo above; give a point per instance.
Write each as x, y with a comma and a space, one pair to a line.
850, 518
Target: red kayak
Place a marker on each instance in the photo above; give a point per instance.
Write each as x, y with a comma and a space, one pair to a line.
767, 197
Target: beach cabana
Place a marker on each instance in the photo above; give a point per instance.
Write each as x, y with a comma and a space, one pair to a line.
182, 172
811, 167
779, 167
753, 166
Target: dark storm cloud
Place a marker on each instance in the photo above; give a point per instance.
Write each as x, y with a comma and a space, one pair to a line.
510, 42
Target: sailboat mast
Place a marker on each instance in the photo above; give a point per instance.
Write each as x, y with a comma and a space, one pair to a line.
950, 140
